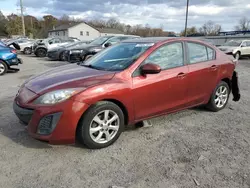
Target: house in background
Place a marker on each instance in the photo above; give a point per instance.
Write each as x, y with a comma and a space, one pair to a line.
81, 31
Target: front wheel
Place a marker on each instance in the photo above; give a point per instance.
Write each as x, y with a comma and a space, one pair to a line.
101, 125
219, 98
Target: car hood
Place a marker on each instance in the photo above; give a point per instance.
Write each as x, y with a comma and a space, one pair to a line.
226, 48
69, 76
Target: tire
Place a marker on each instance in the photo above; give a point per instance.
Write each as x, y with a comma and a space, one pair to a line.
87, 57
41, 52
27, 51
219, 98
3, 68
98, 111
237, 56
61, 56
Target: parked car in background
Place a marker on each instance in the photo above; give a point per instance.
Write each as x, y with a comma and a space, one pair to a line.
26, 48
122, 85
83, 52
57, 53
236, 48
8, 57
41, 47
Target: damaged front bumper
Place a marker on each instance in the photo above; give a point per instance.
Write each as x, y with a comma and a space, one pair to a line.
235, 87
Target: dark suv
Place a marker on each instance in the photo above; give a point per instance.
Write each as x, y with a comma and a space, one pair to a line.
83, 52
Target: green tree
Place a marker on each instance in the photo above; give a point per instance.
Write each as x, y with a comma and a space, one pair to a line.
3, 23
14, 25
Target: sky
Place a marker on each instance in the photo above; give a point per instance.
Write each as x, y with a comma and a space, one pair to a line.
170, 14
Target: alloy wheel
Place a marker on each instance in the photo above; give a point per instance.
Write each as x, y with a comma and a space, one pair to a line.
221, 96
2, 68
104, 126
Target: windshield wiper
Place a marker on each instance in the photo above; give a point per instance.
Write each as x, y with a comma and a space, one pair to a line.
92, 67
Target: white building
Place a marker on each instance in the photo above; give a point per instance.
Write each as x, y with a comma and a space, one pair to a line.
82, 31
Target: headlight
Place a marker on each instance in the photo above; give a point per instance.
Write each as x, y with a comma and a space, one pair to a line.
95, 50
57, 96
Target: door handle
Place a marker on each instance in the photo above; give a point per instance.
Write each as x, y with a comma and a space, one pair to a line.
181, 75
214, 67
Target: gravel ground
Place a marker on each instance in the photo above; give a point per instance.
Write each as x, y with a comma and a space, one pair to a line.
193, 148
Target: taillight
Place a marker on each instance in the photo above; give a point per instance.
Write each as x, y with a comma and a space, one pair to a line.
13, 51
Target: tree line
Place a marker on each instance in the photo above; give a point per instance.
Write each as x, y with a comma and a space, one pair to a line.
38, 28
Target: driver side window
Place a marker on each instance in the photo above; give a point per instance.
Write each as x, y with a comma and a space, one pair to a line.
168, 56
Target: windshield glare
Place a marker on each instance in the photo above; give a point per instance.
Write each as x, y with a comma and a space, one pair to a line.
99, 41
233, 43
117, 57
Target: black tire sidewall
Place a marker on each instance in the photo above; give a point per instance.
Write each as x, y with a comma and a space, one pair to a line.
40, 54
212, 106
5, 66
84, 126
27, 49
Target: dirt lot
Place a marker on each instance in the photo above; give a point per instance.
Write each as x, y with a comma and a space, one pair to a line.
193, 148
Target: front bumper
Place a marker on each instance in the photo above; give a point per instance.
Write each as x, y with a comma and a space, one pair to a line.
53, 55
55, 124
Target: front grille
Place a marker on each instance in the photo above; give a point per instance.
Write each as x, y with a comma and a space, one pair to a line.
74, 57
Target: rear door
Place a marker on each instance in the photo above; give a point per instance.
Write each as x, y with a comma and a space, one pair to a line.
203, 72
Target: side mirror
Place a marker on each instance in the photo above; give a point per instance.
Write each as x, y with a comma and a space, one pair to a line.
108, 44
150, 68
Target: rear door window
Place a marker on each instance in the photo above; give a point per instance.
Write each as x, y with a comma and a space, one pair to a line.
197, 53
211, 54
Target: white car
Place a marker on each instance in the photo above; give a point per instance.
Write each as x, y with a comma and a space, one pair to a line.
26, 48
236, 48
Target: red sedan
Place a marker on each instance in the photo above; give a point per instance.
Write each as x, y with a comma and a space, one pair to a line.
124, 84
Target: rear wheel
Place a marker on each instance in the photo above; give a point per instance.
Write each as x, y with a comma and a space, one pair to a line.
41, 52
101, 125
88, 57
219, 98
27, 51
3, 68
61, 56
237, 56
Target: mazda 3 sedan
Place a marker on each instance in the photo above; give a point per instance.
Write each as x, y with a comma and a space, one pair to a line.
124, 84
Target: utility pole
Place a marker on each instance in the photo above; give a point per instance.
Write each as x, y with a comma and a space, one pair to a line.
185, 33
21, 6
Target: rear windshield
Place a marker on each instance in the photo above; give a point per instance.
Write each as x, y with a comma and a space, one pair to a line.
117, 57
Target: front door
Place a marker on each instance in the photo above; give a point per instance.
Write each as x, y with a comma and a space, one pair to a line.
163, 92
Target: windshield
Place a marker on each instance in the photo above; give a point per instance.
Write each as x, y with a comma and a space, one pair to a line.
233, 43
99, 41
117, 57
